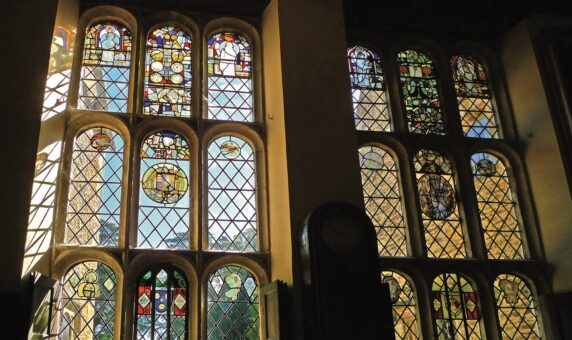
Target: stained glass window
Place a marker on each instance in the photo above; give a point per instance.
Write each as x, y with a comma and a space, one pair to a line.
496, 207
474, 97
368, 90
438, 203
455, 307
230, 78
164, 197
161, 305
232, 305
516, 308
168, 73
94, 199
382, 197
86, 309
420, 93
105, 67
404, 307
231, 195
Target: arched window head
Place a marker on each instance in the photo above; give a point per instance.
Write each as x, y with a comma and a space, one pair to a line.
402, 297
438, 203
382, 198
105, 68
497, 209
516, 308
368, 90
232, 309
455, 307
161, 304
168, 73
232, 222
420, 93
230, 78
86, 309
94, 199
474, 97
164, 196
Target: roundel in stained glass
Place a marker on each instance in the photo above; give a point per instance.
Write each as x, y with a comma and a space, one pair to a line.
100, 141
436, 195
394, 288
165, 183
230, 149
486, 167
373, 160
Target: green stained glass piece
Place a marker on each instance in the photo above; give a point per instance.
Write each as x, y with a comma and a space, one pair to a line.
74, 280
109, 284
162, 278
147, 275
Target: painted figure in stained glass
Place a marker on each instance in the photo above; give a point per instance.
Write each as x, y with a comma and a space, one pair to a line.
229, 55
420, 93
168, 73
474, 97
365, 68
403, 305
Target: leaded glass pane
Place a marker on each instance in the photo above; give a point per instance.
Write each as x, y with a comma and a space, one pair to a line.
164, 197
86, 309
455, 308
161, 305
497, 210
516, 308
232, 305
168, 73
474, 98
404, 307
420, 93
105, 68
94, 199
368, 90
230, 78
438, 203
231, 195
382, 197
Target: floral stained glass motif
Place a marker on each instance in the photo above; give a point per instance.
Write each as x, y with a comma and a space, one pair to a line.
437, 200
368, 90
404, 307
382, 197
474, 98
86, 309
420, 93
164, 199
232, 223
455, 307
232, 310
168, 73
497, 207
105, 68
94, 199
161, 305
516, 308
230, 78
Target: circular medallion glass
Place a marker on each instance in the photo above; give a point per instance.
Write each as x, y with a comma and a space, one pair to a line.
156, 78
164, 183
373, 160
157, 55
230, 149
100, 141
485, 167
177, 56
176, 79
157, 66
177, 67
437, 196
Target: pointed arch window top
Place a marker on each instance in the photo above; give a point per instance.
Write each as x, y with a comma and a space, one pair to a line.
229, 54
365, 68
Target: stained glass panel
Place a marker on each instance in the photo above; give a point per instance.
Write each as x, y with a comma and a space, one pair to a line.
232, 305
161, 304
168, 73
499, 221
516, 308
420, 93
105, 68
368, 90
232, 222
404, 307
474, 97
94, 199
164, 197
382, 197
86, 309
455, 307
438, 203
230, 78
